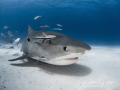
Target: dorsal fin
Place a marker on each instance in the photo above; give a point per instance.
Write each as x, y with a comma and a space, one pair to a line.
30, 30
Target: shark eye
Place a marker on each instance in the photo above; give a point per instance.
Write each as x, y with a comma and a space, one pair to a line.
65, 48
28, 39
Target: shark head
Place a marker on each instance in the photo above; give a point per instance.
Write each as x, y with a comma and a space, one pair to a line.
61, 50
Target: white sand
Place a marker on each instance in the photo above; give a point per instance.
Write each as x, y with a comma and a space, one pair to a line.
99, 69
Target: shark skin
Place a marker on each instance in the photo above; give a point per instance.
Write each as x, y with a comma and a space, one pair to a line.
60, 50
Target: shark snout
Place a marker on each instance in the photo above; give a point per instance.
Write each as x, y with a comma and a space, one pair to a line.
87, 47
82, 48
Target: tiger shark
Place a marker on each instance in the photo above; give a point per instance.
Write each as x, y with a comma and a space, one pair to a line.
52, 47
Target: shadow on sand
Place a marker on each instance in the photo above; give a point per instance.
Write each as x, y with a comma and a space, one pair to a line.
70, 70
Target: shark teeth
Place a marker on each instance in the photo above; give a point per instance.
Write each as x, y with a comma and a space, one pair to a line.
72, 56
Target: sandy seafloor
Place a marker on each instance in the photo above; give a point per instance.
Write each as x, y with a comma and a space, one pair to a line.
98, 69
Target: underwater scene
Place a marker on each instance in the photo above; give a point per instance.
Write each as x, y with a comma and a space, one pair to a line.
59, 44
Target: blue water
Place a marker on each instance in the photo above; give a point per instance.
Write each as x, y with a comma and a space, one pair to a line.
95, 22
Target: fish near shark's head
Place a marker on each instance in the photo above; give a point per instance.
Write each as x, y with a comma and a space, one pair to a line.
61, 50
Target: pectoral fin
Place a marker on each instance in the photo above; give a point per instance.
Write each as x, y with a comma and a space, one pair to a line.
19, 58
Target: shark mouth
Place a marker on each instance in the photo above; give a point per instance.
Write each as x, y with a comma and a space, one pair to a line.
65, 60
62, 60
71, 58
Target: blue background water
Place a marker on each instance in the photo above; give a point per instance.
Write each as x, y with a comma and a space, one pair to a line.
92, 21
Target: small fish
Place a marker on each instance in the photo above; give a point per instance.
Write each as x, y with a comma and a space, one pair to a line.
59, 25
16, 54
16, 42
48, 36
11, 47
40, 59
7, 40
16, 31
5, 27
10, 33
3, 35
44, 36
46, 26
37, 17
57, 29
